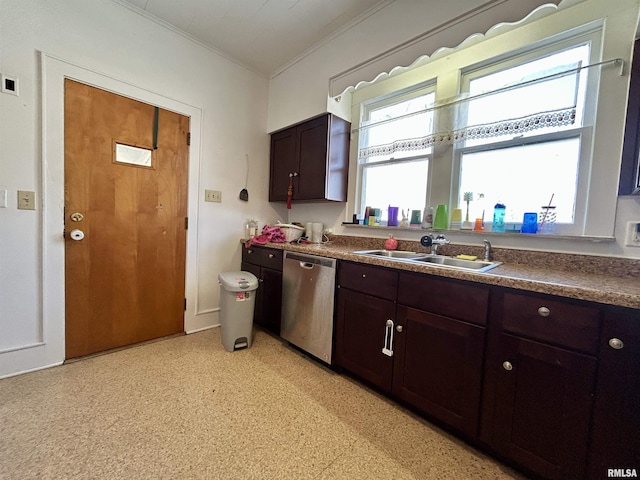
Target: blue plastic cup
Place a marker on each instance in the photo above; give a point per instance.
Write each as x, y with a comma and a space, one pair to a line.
529, 223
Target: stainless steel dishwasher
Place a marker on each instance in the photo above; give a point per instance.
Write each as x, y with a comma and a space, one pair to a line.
308, 283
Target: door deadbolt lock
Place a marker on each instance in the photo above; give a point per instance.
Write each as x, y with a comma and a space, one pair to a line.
76, 235
77, 217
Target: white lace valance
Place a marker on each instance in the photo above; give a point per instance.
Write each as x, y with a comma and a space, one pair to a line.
509, 111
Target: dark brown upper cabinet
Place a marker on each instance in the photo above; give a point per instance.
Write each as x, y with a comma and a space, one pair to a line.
630, 169
315, 155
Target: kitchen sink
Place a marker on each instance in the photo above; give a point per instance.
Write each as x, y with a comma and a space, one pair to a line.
399, 254
476, 265
435, 260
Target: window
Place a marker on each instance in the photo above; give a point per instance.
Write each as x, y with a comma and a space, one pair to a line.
517, 130
394, 158
533, 166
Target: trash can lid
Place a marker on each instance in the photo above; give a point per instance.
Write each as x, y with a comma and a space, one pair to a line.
238, 281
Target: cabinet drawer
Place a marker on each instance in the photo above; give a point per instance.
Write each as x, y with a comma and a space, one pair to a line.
445, 297
265, 257
375, 281
552, 320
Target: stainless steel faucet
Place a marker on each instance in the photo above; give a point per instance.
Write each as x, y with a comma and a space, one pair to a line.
434, 243
487, 250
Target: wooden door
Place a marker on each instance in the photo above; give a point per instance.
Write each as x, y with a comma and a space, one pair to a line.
361, 335
438, 367
124, 280
544, 397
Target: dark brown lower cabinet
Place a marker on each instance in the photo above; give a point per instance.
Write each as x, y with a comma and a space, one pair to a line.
430, 361
543, 401
549, 384
438, 367
266, 265
615, 441
360, 336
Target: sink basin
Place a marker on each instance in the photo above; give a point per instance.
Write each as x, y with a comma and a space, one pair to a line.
400, 254
475, 265
435, 260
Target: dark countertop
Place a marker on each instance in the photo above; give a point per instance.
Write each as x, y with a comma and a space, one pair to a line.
575, 278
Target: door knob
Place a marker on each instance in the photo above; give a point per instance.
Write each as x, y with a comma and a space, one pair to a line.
616, 343
544, 312
76, 235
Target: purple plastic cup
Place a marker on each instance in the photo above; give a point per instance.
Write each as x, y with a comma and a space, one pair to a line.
393, 217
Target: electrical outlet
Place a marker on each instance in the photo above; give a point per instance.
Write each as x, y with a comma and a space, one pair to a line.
26, 200
213, 196
633, 234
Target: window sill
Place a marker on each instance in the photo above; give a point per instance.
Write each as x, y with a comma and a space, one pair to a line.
513, 234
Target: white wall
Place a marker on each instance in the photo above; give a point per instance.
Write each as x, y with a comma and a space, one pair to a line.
107, 45
302, 91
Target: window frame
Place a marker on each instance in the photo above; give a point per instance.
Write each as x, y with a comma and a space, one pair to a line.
446, 189
591, 35
425, 87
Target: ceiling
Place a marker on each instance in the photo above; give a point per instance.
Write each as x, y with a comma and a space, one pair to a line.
264, 35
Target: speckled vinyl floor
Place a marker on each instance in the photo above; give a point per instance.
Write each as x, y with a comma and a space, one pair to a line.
185, 408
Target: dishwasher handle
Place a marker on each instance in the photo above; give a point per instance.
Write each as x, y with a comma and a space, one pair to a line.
306, 265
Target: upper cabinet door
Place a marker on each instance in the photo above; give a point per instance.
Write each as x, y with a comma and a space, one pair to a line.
284, 161
316, 153
312, 170
630, 169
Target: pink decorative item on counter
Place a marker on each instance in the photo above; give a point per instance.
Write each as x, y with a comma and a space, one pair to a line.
391, 243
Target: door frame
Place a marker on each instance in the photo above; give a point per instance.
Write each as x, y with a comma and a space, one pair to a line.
54, 71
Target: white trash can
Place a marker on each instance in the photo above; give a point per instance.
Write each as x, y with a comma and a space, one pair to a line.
237, 301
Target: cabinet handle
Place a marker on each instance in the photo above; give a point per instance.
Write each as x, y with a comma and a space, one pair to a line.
399, 328
387, 349
294, 174
616, 343
507, 366
364, 276
544, 312
249, 252
271, 255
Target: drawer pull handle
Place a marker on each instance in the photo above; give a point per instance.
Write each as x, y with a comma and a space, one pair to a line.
507, 366
364, 276
249, 252
271, 255
399, 328
616, 343
544, 312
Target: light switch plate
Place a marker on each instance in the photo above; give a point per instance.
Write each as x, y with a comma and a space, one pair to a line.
26, 200
213, 196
